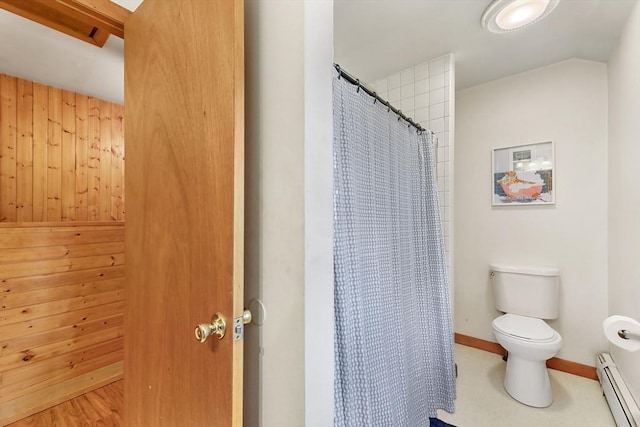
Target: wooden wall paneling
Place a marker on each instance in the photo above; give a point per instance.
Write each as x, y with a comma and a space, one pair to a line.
54, 322
54, 374
25, 343
40, 135
61, 281
38, 374
54, 155
101, 407
34, 283
105, 162
93, 160
60, 251
59, 265
47, 236
56, 348
82, 141
67, 293
68, 193
42, 399
117, 162
61, 155
8, 117
24, 152
53, 370
80, 302
61, 317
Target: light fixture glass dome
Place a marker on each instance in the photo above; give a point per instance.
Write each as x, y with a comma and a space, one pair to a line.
509, 15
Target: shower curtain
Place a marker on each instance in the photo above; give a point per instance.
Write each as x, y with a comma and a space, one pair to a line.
393, 333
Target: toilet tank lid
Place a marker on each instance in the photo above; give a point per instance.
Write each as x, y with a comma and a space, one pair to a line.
538, 271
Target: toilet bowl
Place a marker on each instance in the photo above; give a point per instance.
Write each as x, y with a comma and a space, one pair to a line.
526, 296
529, 342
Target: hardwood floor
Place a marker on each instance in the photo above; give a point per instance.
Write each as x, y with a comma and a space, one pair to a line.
101, 407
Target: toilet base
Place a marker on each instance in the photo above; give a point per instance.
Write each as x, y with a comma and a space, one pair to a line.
527, 382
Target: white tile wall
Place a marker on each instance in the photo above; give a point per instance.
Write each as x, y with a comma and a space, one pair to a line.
426, 93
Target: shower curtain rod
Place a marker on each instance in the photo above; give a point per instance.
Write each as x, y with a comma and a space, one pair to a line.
348, 77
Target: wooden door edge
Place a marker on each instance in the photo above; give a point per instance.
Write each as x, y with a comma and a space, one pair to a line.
238, 202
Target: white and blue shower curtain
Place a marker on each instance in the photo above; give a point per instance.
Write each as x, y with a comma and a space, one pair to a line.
393, 333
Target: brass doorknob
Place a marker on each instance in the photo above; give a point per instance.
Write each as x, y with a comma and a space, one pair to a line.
217, 326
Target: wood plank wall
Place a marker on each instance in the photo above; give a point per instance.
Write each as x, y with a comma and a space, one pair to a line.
61, 245
61, 155
61, 323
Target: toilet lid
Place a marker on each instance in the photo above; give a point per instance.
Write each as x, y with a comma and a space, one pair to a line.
527, 328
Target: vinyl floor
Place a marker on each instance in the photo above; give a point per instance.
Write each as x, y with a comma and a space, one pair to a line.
483, 402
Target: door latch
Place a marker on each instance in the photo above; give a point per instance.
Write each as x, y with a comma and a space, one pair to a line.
238, 324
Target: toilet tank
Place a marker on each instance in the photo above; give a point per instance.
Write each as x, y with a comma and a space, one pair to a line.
526, 291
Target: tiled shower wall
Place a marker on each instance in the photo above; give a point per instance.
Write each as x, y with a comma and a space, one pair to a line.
426, 94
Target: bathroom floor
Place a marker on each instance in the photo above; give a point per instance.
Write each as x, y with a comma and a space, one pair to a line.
483, 402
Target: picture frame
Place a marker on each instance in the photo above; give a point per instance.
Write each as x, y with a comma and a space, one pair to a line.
523, 175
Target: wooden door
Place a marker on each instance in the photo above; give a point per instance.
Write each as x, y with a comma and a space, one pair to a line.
184, 112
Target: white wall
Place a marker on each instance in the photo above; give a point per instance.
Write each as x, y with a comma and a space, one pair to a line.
426, 94
53, 58
319, 312
288, 157
624, 189
567, 103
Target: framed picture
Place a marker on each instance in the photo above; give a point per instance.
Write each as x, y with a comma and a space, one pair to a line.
523, 175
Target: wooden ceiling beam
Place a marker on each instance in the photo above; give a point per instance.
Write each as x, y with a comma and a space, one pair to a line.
88, 20
105, 14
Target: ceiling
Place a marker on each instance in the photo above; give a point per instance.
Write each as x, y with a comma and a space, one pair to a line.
372, 38
34, 52
376, 38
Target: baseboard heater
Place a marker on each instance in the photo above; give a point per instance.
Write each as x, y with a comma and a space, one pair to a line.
623, 407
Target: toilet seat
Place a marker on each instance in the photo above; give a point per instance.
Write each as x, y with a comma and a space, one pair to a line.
524, 328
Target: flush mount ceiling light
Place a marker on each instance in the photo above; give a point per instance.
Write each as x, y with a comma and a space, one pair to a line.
503, 16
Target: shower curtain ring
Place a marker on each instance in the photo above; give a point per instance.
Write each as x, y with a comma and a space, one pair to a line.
388, 106
339, 71
399, 114
375, 98
358, 83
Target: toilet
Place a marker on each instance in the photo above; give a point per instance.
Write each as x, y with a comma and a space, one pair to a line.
526, 296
